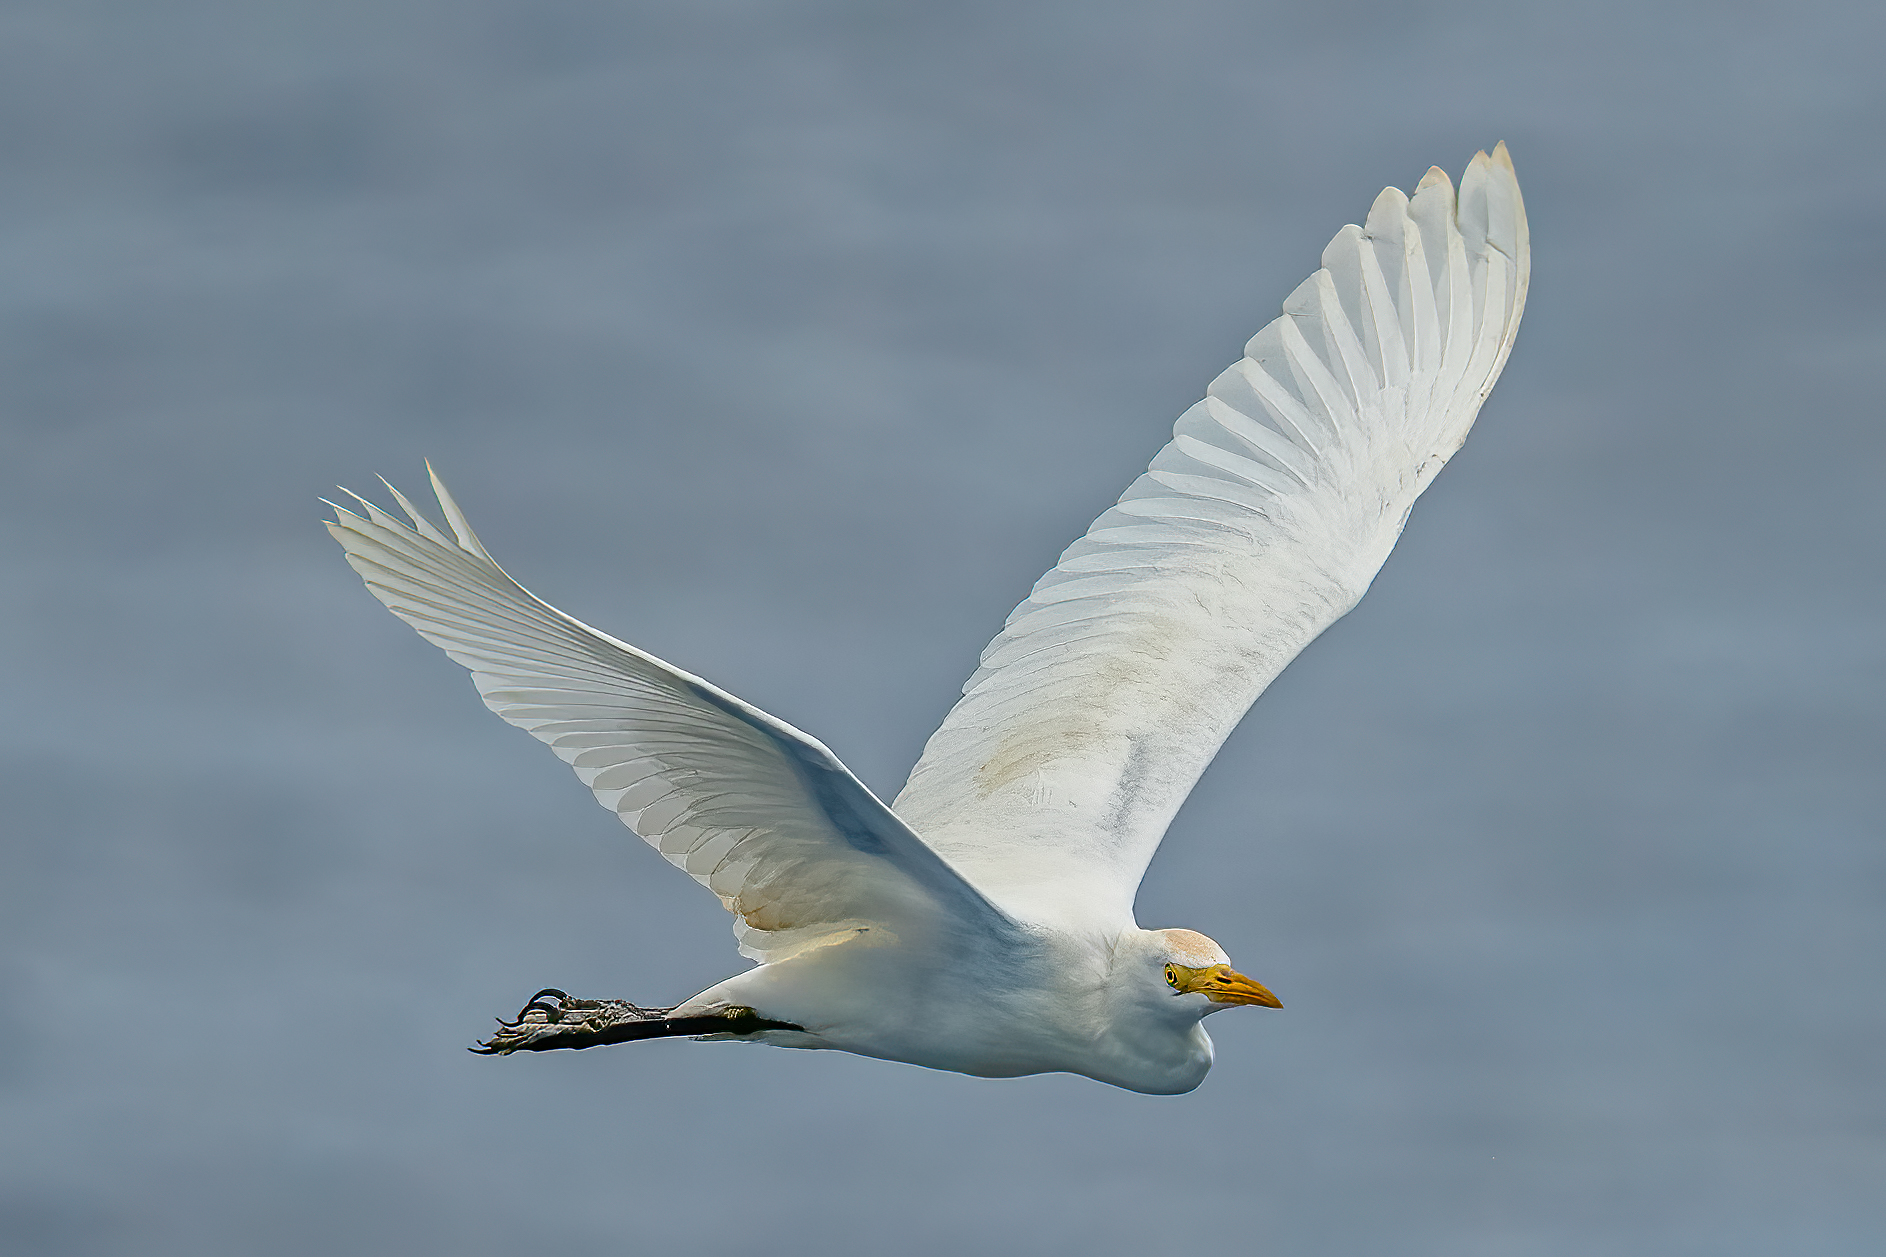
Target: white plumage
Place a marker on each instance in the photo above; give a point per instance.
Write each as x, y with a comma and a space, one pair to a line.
984, 922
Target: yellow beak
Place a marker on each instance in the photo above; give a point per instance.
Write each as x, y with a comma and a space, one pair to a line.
1221, 985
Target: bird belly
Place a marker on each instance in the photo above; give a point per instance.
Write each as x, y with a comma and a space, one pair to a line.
876, 998
880, 1000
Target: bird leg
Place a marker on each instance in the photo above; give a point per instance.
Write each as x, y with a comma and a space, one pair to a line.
555, 1019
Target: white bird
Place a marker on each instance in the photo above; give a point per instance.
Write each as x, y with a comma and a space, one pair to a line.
984, 921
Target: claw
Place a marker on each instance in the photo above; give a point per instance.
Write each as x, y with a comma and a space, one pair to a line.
568, 1022
553, 1013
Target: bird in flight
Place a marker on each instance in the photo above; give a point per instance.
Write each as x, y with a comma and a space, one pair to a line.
983, 922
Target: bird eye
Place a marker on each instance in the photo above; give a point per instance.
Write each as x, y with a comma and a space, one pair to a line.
1172, 977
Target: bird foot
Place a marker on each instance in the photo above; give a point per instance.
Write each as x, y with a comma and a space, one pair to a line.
554, 1019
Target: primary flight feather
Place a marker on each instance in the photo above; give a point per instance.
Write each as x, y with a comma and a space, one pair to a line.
984, 921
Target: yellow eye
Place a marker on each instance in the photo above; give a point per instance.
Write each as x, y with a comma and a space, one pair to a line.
1172, 977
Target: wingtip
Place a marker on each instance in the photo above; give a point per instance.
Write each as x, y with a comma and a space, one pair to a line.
1435, 178
461, 527
337, 508
425, 527
364, 504
1386, 212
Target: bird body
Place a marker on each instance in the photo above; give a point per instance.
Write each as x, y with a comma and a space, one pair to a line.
983, 923
1045, 1001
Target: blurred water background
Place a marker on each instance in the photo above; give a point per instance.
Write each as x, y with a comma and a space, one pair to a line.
792, 341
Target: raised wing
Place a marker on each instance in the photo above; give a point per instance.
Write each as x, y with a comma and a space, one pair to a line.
1280, 495
758, 812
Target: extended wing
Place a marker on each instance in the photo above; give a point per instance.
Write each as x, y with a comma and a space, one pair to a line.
758, 812
1280, 495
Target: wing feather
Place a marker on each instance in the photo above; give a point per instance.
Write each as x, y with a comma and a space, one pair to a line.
758, 812
1281, 493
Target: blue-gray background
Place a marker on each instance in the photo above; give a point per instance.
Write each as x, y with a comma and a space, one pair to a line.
792, 341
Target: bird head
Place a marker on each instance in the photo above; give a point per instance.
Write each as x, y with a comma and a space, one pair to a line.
1195, 976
